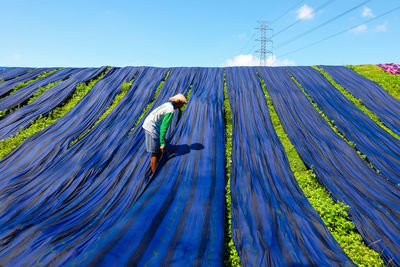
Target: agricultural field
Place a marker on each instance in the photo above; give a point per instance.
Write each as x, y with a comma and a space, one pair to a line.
264, 166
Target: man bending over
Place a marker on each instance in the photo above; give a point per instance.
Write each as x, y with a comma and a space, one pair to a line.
156, 124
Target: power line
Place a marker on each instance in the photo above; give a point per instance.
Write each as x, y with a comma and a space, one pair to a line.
341, 32
264, 40
247, 43
276, 19
298, 20
321, 25
287, 11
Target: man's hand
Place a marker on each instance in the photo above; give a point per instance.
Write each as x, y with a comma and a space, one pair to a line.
162, 148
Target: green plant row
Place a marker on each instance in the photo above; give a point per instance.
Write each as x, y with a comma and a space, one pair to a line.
151, 102
124, 90
357, 102
389, 82
231, 257
40, 91
8, 145
22, 84
333, 214
184, 106
334, 127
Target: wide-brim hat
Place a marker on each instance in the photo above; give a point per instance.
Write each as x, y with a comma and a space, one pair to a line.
179, 98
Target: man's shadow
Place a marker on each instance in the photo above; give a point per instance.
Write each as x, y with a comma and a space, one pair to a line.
173, 151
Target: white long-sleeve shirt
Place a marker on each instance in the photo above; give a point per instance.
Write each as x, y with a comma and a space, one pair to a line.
157, 122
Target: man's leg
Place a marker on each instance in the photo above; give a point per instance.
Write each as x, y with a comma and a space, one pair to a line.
155, 157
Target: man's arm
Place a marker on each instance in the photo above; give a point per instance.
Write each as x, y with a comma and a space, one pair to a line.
164, 126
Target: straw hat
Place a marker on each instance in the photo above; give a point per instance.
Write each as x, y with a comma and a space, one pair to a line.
179, 98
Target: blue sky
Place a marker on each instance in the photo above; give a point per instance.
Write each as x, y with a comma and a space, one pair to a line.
192, 33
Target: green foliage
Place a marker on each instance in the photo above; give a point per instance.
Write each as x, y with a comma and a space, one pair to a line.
231, 257
357, 102
40, 91
8, 145
151, 102
184, 106
124, 90
333, 214
390, 82
334, 127
20, 85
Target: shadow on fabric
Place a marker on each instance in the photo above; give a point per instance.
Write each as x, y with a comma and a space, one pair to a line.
179, 150
171, 152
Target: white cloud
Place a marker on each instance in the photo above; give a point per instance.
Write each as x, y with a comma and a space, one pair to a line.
273, 61
367, 12
241, 36
382, 27
359, 29
243, 60
251, 60
305, 12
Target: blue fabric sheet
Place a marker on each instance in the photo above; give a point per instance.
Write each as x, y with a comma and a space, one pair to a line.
374, 202
372, 95
66, 169
23, 94
96, 203
273, 224
12, 123
7, 86
381, 148
19, 164
11, 73
179, 215
119, 180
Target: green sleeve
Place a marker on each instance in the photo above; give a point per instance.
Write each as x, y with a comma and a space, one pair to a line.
164, 126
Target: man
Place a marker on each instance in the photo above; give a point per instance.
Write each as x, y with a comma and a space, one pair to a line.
156, 124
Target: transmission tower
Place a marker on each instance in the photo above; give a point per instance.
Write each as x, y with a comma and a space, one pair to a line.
266, 43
